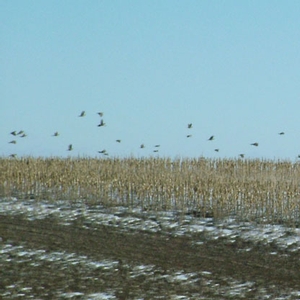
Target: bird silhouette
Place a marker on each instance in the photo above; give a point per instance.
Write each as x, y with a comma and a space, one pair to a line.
242, 155
13, 155
100, 114
23, 135
13, 142
20, 132
70, 147
155, 150
189, 135
157, 146
217, 150
190, 125
101, 123
14, 133
82, 114
211, 138
142, 146
254, 144
102, 151
55, 134
118, 141
281, 133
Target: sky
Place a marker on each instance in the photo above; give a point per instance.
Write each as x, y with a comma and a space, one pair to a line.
229, 67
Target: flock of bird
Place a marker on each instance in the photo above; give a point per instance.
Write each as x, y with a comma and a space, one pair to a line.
22, 134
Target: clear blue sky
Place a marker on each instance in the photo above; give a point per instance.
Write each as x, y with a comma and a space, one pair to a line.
231, 68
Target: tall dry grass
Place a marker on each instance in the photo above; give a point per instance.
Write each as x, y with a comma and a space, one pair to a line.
250, 189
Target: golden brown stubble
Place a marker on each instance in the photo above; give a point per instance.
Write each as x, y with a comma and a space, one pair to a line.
248, 188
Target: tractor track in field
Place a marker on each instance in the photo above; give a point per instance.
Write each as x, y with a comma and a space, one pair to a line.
258, 264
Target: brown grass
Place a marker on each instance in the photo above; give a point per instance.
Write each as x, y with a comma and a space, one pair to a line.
263, 190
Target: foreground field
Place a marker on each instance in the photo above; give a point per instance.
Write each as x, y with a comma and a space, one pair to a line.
69, 250
150, 228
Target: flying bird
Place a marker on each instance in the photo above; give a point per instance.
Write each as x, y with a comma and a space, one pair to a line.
102, 151
70, 147
189, 135
281, 133
254, 144
190, 125
23, 135
157, 146
14, 133
82, 114
118, 141
20, 132
211, 138
13, 155
100, 114
101, 123
242, 155
155, 150
55, 134
142, 146
217, 150
13, 142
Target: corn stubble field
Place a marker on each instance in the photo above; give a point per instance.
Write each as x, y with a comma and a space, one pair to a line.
261, 190
149, 228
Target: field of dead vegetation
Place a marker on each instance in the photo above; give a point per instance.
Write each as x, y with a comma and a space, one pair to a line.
149, 228
261, 190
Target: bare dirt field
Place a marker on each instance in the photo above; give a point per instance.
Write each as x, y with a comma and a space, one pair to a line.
43, 259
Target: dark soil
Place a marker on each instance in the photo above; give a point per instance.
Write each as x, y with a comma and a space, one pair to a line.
220, 257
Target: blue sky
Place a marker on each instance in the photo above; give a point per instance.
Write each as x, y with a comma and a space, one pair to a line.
231, 68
